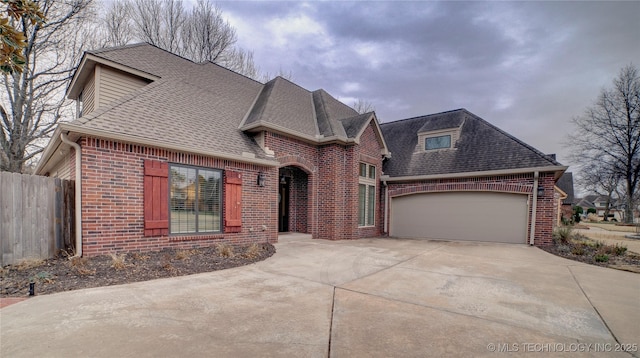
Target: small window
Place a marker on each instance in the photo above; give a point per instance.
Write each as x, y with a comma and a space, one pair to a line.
363, 170
79, 105
367, 195
439, 142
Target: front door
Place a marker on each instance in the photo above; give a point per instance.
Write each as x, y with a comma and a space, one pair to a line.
283, 206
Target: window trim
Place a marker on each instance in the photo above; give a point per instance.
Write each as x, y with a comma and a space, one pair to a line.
220, 201
370, 184
422, 139
437, 136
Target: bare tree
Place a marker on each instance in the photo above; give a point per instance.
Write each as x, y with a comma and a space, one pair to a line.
208, 36
32, 101
201, 34
363, 106
609, 132
599, 177
117, 24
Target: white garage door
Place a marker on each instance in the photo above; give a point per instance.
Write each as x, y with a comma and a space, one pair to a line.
471, 216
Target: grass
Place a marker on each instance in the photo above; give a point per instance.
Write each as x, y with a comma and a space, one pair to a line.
610, 226
185, 254
29, 263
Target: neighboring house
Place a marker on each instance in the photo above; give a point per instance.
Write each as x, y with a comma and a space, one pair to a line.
599, 204
171, 153
565, 184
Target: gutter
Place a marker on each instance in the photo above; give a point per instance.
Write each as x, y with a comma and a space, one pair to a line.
78, 198
534, 208
554, 168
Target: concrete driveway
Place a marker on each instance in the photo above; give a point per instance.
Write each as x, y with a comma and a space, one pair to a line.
364, 298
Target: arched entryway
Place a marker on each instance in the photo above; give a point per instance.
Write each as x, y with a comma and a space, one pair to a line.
293, 200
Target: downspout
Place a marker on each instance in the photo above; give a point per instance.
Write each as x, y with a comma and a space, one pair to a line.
386, 207
534, 207
78, 208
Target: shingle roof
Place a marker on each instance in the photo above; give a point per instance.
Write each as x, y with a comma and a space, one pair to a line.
480, 147
192, 105
202, 105
286, 105
565, 183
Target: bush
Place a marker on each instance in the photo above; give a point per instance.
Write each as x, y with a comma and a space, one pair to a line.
591, 211
562, 234
601, 258
577, 212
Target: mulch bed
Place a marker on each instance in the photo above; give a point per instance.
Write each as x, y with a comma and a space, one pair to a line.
64, 274
582, 249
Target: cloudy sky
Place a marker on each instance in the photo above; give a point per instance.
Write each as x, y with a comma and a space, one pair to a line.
527, 67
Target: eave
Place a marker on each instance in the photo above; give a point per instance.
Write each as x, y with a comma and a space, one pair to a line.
558, 170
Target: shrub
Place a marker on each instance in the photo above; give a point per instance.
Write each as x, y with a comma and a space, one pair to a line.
252, 251
578, 250
42, 276
562, 234
225, 250
601, 258
591, 211
117, 261
185, 254
615, 250
577, 212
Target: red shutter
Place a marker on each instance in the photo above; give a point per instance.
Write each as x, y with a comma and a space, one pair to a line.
156, 201
232, 201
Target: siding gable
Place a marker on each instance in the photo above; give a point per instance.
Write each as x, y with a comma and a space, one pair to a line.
114, 84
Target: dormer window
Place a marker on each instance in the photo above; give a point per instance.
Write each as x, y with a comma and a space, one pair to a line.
79, 106
438, 142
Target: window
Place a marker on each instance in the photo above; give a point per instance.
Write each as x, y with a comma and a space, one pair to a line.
439, 142
367, 195
194, 200
79, 105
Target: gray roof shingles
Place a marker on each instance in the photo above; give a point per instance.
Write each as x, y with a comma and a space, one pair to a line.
480, 147
192, 105
201, 106
565, 183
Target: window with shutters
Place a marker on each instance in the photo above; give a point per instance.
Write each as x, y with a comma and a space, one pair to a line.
195, 200
366, 195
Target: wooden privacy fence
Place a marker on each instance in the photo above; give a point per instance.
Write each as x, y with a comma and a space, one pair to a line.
36, 217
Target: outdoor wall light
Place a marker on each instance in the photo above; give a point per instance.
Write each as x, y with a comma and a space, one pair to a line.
540, 191
261, 179
283, 180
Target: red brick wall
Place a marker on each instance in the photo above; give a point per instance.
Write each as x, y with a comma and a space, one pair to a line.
112, 197
521, 183
332, 184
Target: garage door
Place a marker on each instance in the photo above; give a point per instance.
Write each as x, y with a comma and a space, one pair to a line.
471, 216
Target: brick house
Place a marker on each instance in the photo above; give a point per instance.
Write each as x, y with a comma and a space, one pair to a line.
171, 153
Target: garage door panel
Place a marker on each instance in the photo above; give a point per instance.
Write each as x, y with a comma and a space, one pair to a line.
472, 216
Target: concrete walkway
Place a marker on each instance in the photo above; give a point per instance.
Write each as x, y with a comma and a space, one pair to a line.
364, 298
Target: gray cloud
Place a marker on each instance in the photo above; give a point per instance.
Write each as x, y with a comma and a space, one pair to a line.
527, 67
